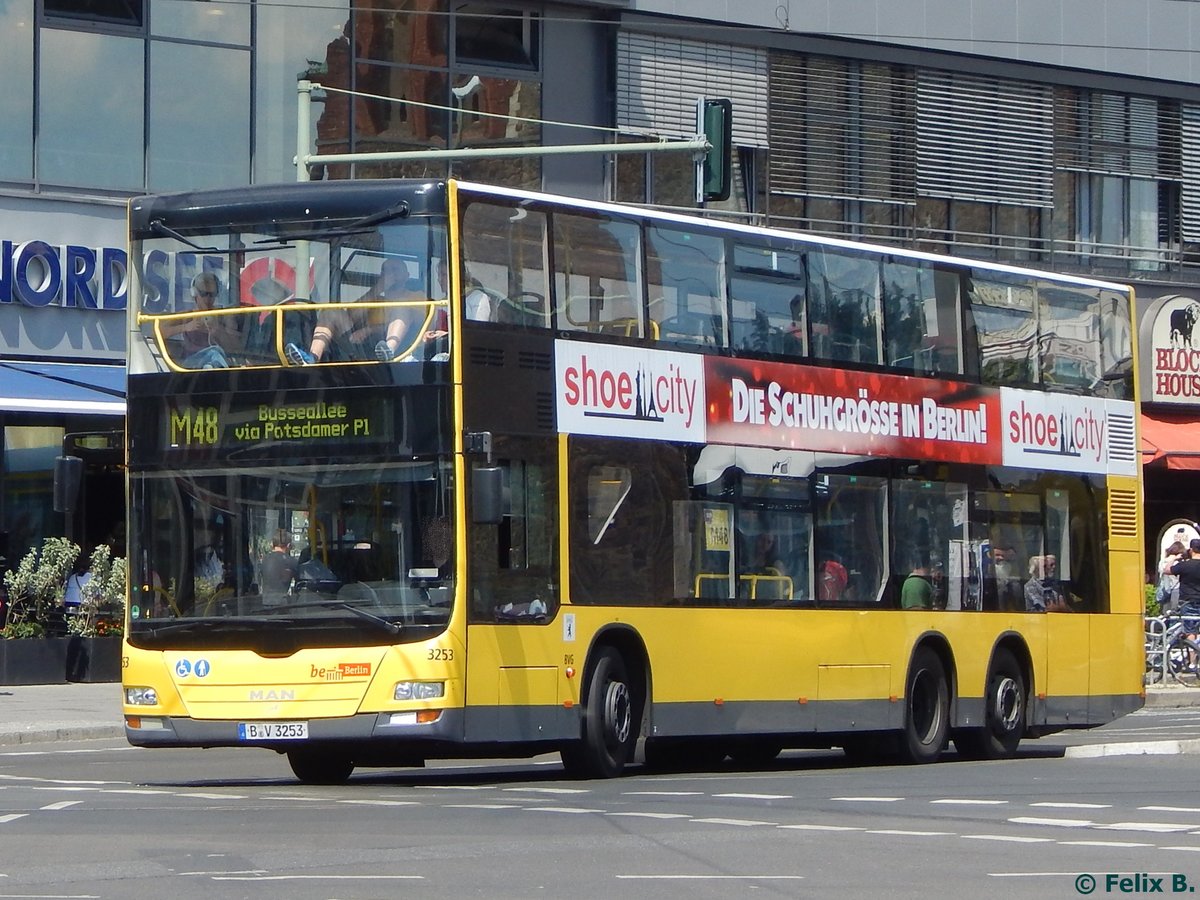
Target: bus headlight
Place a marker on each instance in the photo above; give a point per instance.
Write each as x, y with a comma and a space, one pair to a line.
141, 696
420, 690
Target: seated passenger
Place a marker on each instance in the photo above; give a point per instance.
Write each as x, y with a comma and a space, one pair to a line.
1042, 590
917, 590
356, 329
205, 341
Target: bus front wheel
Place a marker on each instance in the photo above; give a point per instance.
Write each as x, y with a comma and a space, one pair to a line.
926, 708
320, 766
1004, 713
610, 721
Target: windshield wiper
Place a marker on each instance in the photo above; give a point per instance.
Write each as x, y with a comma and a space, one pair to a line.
161, 227
386, 624
396, 211
230, 623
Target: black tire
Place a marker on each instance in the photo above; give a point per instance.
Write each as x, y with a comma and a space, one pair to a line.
611, 721
321, 766
1183, 661
1005, 711
926, 709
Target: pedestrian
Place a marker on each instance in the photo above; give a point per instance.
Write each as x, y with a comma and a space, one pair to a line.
1167, 592
1187, 568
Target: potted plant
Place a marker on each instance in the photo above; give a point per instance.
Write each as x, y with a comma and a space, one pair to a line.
34, 648
94, 651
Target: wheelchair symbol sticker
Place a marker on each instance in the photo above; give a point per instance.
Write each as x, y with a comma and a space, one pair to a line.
183, 668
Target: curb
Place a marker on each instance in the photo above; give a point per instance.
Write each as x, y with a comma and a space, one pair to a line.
68, 733
1172, 698
1134, 748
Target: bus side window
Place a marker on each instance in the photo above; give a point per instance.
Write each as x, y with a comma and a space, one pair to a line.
687, 296
503, 268
513, 570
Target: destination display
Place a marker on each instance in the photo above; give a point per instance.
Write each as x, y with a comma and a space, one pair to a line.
220, 426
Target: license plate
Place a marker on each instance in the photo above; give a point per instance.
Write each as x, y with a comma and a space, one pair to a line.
272, 731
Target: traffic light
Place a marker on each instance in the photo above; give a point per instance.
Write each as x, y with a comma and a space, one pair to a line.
716, 124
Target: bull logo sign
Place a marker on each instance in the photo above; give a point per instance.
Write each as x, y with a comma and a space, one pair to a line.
1183, 323
1174, 359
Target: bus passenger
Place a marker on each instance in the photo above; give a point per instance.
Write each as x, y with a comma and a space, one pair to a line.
917, 590
278, 569
1042, 593
204, 340
355, 329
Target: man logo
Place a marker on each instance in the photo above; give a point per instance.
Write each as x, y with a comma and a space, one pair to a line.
270, 695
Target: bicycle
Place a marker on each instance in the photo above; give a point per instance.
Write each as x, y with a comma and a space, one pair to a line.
1181, 654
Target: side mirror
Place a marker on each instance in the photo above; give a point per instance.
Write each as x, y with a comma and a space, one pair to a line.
68, 475
487, 495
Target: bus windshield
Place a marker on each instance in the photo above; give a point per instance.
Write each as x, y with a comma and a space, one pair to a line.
356, 553
288, 293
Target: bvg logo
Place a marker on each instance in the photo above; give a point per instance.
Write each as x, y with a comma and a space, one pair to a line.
342, 670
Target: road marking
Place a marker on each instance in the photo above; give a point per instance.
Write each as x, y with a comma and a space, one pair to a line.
1179, 809
294, 797
67, 790
1157, 827
203, 796
1011, 838
572, 810
541, 790
481, 806
755, 796
662, 793
12, 817
317, 877
742, 822
901, 831
867, 799
66, 781
1189, 849
61, 804
1103, 844
710, 877
453, 787
1051, 804
382, 802
1059, 823
650, 815
1030, 874
958, 802
823, 827
133, 791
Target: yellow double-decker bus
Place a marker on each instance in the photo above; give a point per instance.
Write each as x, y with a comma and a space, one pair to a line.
435, 469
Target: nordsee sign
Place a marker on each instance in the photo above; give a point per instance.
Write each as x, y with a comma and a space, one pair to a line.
40, 274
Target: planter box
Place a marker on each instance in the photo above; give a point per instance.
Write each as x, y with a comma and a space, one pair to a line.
33, 660
93, 659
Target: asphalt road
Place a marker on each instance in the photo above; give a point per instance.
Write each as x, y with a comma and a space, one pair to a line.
101, 819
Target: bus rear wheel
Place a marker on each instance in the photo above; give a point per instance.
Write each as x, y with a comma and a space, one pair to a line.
1004, 713
321, 766
611, 718
926, 709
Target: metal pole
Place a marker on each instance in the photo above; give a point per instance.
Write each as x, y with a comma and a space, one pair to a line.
693, 144
303, 125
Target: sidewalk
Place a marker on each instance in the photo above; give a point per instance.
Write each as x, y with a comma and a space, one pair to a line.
35, 713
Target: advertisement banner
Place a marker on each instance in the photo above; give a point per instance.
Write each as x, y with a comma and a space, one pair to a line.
629, 392
841, 411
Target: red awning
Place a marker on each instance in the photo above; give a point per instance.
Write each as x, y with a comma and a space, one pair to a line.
1171, 440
